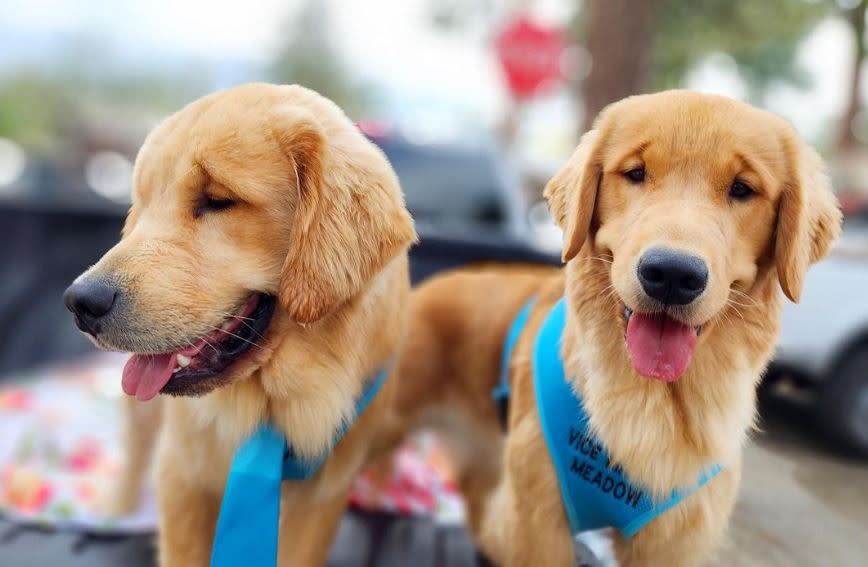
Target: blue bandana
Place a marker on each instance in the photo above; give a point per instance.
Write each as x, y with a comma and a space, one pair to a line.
595, 491
247, 527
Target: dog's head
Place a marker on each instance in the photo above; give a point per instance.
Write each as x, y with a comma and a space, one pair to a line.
257, 202
689, 201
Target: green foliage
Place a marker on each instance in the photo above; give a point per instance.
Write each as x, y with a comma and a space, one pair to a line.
42, 107
39, 109
32, 110
760, 35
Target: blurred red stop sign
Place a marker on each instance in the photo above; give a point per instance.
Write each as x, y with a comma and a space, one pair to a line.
530, 55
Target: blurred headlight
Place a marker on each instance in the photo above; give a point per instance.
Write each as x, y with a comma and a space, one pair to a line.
110, 174
12, 162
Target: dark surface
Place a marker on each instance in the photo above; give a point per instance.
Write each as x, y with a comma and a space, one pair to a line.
42, 251
364, 540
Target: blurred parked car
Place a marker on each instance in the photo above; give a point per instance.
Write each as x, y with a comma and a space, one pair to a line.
466, 190
824, 339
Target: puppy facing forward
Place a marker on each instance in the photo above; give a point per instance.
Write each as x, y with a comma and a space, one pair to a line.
261, 278
684, 215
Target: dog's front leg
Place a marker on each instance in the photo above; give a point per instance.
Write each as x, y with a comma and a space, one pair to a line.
142, 422
538, 533
308, 524
188, 516
525, 523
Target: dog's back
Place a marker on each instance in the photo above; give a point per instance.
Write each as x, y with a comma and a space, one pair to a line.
452, 361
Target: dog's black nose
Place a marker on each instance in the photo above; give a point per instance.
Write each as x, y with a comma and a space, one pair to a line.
670, 277
90, 301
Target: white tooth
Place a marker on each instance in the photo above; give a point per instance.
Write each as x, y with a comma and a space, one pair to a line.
183, 361
225, 326
176, 369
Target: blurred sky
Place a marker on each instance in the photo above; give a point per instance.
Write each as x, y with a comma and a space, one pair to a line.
389, 42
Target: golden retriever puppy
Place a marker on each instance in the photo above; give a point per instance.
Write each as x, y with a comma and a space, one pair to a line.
684, 215
261, 278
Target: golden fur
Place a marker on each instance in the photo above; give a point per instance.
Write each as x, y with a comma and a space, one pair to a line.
664, 435
319, 221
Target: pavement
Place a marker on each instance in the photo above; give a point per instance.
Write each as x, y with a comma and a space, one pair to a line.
803, 502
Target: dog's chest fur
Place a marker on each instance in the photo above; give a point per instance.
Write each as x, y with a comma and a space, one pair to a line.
665, 434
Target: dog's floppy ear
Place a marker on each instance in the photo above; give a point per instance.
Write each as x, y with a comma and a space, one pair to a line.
349, 221
809, 218
572, 193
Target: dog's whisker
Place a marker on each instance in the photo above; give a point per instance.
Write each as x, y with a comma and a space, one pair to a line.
610, 289
214, 348
242, 320
737, 312
239, 337
753, 301
248, 341
731, 301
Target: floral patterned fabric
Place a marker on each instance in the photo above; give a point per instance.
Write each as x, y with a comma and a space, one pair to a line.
60, 445
60, 448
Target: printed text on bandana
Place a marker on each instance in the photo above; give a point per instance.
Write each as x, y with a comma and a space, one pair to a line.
591, 464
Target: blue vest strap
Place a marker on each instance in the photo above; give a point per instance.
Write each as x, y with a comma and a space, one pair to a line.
501, 392
247, 526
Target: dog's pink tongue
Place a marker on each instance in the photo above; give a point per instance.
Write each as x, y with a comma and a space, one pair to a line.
146, 374
659, 347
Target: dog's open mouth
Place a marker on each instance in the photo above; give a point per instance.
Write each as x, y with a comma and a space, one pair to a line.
659, 346
177, 372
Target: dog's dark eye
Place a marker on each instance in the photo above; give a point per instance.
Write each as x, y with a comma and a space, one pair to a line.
211, 204
740, 191
635, 175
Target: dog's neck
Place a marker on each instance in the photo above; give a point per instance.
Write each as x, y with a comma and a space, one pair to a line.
310, 377
666, 434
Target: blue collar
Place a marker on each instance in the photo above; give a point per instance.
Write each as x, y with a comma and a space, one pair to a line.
595, 491
247, 527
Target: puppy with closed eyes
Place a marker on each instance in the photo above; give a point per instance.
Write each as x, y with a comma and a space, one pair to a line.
632, 372
261, 278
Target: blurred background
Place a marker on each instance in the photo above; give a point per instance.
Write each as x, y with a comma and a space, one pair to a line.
476, 103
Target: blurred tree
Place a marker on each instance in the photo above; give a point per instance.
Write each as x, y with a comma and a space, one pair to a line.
43, 109
640, 46
644, 45
855, 15
618, 35
84, 87
308, 58
761, 36
32, 110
